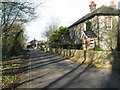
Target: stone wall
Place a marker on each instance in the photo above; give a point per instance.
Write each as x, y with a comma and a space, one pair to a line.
101, 59
108, 36
75, 33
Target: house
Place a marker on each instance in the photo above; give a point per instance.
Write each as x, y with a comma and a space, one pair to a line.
97, 28
27, 44
33, 43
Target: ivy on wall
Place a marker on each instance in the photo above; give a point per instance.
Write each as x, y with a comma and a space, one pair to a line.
88, 26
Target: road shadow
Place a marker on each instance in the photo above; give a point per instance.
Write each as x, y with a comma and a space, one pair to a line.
34, 63
115, 72
27, 81
38, 63
71, 80
116, 60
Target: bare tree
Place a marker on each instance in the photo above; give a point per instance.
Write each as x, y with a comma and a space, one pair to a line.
12, 16
15, 12
51, 27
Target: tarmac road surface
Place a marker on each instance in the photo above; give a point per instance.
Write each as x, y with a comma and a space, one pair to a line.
51, 71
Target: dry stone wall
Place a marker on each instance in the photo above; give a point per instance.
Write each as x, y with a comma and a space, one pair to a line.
101, 59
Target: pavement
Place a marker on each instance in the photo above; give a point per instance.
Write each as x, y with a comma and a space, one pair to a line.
46, 70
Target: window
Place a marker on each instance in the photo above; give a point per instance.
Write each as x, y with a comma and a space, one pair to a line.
84, 26
88, 26
92, 43
109, 22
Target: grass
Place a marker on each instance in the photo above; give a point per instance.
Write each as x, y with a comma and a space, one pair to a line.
12, 70
96, 49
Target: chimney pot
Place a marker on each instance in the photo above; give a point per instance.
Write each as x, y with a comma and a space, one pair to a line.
92, 6
112, 4
92, 2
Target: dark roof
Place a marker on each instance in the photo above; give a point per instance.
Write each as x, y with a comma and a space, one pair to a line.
90, 34
103, 10
33, 41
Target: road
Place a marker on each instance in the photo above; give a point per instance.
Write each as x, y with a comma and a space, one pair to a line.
51, 71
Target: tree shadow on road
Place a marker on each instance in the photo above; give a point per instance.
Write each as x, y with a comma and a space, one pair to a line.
54, 60
115, 71
27, 81
37, 63
76, 76
104, 84
34, 63
114, 78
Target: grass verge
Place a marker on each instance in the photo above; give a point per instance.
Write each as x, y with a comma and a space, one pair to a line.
12, 69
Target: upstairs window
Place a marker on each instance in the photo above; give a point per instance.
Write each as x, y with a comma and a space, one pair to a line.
88, 26
109, 22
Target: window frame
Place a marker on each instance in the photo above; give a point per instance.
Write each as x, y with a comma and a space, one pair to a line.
109, 23
92, 42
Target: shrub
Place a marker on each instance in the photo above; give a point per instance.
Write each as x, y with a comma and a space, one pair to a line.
91, 49
97, 48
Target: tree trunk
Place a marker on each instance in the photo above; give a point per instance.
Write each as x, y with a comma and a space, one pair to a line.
118, 35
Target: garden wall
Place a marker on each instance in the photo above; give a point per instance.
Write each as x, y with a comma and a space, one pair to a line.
102, 59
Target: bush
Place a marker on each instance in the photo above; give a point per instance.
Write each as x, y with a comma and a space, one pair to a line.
96, 49
91, 49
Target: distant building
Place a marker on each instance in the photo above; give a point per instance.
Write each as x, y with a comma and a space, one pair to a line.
33, 43
27, 44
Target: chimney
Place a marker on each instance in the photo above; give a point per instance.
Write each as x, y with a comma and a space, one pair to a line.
112, 4
92, 6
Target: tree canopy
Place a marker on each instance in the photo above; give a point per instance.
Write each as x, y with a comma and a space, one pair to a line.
58, 34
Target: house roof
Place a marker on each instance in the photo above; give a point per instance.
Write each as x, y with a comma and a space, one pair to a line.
103, 10
33, 41
90, 34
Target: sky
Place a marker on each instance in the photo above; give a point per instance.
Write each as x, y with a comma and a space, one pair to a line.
65, 12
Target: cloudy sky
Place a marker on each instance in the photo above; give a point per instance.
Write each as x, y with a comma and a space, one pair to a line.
64, 11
